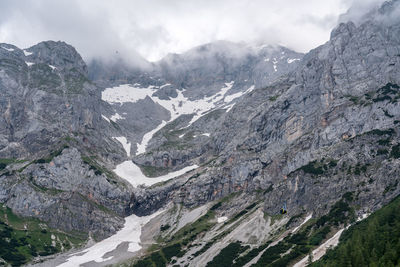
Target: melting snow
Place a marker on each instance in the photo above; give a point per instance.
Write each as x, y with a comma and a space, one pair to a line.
29, 63
141, 148
129, 233
229, 107
126, 93
167, 84
132, 173
177, 106
274, 62
126, 145
291, 60
27, 53
116, 117
104, 117
232, 97
222, 219
8, 49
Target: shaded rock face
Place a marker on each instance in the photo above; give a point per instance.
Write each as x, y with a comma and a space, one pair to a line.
44, 95
197, 74
279, 137
311, 130
68, 194
50, 117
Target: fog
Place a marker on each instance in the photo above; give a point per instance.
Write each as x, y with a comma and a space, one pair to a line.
153, 28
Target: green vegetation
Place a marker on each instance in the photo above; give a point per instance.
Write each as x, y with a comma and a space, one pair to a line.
313, 167
5, 162
227, 255
298, 245
241, 213
273, 98
251, 254
52, 155
178, 241
389, 92
391, 187
340, 213
319, 167
98, 170
74, 81
395, 153
21, 239
374, 241
378, 132
42, 77
164, 227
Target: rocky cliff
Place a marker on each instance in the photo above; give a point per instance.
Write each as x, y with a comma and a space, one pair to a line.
52, 149
261, 128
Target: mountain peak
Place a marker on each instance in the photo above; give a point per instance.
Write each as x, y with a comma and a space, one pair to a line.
58, 54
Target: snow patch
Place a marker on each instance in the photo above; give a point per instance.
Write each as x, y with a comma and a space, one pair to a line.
104, 117
141, 148
116, 117
232, 97
52, 67
165, 85
275, 62
177, 106
182, 135
129, 233
229, 107
291, 60
126, 93
125, 144
132, 173
222, 219
8, 49
29, 63
26, 53
206, 134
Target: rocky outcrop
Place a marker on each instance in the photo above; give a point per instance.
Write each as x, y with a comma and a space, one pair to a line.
276, 137
55, 143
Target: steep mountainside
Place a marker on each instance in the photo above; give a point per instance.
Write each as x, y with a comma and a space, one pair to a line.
53, 153
233, 155
326, 129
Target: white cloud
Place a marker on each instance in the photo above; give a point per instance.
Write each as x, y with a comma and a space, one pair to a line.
154, 28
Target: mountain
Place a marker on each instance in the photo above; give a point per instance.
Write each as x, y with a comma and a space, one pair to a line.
52, 151
225, 155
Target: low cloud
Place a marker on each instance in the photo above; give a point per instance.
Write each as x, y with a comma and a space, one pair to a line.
153, 28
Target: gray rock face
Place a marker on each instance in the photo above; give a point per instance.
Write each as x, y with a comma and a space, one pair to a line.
278, 138
311, 130
47, 103
197, 74
69, 194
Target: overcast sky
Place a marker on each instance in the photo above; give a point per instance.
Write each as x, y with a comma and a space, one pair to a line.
154, 28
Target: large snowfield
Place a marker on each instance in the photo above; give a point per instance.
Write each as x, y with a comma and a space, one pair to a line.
129, 233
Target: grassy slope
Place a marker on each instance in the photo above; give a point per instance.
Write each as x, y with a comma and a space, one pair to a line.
374, 241
21, 239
